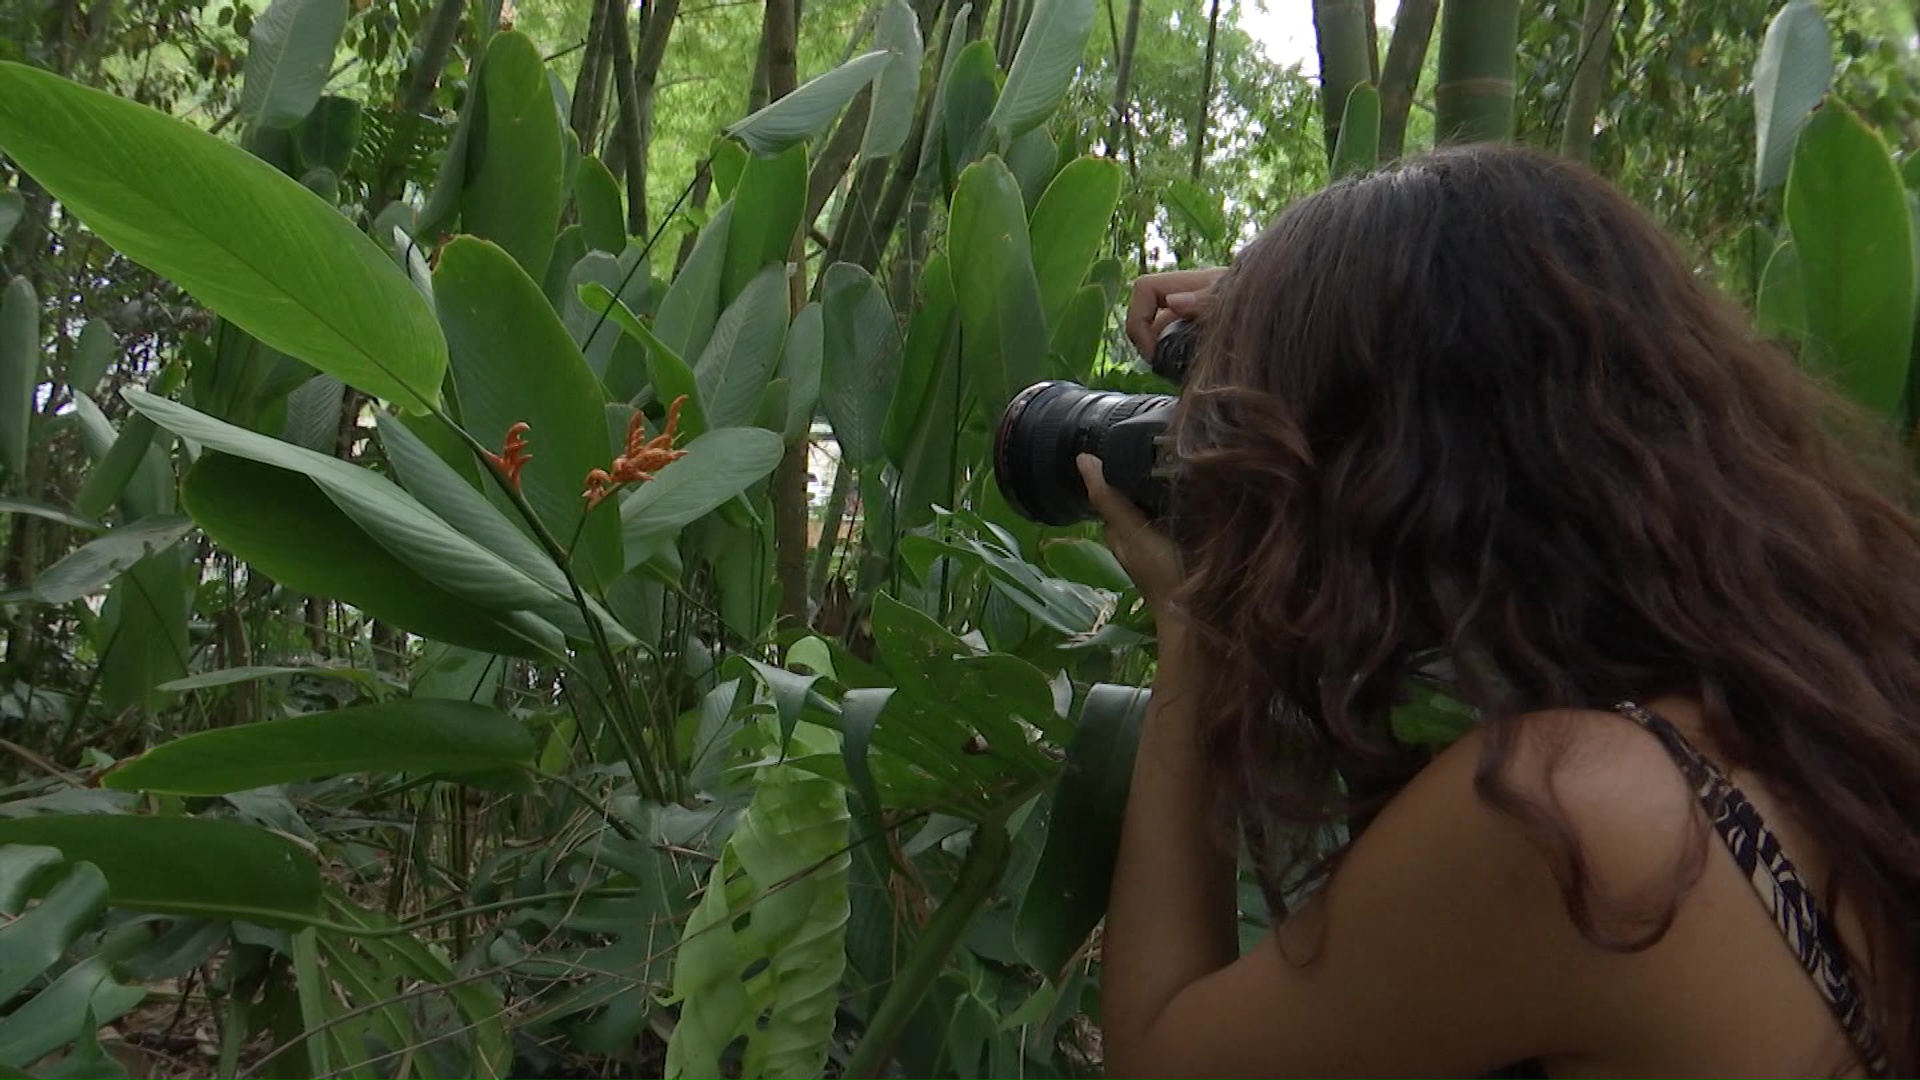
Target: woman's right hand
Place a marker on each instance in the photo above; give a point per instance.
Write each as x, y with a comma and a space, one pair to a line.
1159, 299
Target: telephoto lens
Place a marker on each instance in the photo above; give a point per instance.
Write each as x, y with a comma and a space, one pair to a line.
1049, 424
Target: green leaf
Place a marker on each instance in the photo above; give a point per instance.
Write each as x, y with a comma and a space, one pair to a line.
245, 240
897, 90
289, 55
89, 569
84, 996
1069, 227
1068, 894
771, 978
12, 209
1358, 149
1076, 336
808, 110
313, 414
741, 355
670, 375
208, 680
862, 361
1198, 208
51, 513
32, 943
415, 535
800, 365
1043, 68
692, 302
107, 481
415, 736
1086, 562
1781, 308
142, 632
1848, 212
603, 215
514, 188
767, 205
973, 85
1792, 75
719, 466
285, 527
93, 354
513, 361
993, 278
928, 335
327, 137
150, 489
182, 865
19, 372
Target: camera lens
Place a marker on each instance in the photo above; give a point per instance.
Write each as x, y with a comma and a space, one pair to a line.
1051, 423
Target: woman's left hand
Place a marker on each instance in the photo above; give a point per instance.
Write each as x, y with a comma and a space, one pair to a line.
1146, 554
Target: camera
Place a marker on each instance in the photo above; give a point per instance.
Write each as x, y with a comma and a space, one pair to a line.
1048, 424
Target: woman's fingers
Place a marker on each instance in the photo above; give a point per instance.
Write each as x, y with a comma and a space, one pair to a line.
1160, 298
1116, 509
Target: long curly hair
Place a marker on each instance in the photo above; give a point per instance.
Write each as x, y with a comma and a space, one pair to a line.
1478, 408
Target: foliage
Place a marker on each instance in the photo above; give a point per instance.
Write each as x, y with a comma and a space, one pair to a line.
404, 649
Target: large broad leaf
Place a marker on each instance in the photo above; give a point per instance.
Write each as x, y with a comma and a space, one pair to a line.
1005, 337
1848, 213
284, 526
1780, 310
150, 489
289, 55
415, 535
928, 334
1050, 52
741, 355
514, 187
898, 88
142, 632
1068, 894
85, 995
416, 736
51, 513
243, 238
862, 361
808, 110
692, 302
19, 372
767, 204
513, 361
762, 956
182, 865
671, 376
93, 354
327, 137
12, 208
800, 364
973, 85
92, 567
1069, 226
1357, 150
719, 466
31, 943
1793, 73
603, 217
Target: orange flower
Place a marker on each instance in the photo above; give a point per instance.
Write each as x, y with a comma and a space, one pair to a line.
513, 455
643, 457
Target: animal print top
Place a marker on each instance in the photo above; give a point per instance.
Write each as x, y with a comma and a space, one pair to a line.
1786, 897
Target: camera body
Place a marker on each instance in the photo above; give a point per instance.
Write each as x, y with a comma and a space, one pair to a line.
1047, 425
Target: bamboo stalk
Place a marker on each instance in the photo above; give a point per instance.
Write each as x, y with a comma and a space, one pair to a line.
1400, 76
1340, 31
1474, 96
1589, 79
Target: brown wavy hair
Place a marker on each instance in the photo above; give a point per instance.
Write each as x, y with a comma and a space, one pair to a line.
1478, 408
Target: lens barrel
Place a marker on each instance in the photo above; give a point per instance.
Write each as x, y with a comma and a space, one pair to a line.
1049, 424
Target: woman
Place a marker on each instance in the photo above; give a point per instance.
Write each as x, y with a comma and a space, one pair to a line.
1476, 408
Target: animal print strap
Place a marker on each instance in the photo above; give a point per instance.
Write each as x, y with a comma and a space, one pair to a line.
1786, 897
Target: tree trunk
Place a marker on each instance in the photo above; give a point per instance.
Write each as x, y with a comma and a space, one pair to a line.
590, 88
1406, 55
1589, 79
781, 35
1373, 43
443, 27
628, 116
831, 165
1474, 97
654, 34
1206, 93
1122, 79
1340, 31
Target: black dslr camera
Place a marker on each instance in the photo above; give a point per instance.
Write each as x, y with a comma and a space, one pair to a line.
1048, 424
